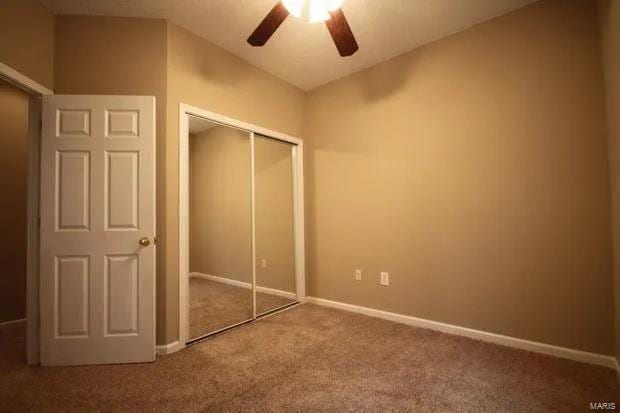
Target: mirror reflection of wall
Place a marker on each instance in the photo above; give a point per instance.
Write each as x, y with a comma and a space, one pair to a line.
275, 249
220, 223
221, 262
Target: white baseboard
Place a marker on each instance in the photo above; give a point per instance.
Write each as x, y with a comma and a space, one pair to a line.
168, 348
557, 351
273, 291
11, 322
243, 284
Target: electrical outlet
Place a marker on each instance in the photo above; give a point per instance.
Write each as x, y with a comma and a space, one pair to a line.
385, 278
358, 275
263, 263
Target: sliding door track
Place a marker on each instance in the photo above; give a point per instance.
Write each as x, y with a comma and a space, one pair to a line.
234, 326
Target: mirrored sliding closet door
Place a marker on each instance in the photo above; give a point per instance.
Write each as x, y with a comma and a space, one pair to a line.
220, 290
242, 222
274, 224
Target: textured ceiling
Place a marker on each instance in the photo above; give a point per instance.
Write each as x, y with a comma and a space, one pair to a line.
302, 53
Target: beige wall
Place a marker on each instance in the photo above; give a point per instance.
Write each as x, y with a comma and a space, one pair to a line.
610, 31
474, 170
27, 39
120, 56
220, 207
203, 75
13, 180
275, 234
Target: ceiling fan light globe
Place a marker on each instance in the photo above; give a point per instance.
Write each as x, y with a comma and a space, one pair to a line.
333, 5
318, 11
295, 7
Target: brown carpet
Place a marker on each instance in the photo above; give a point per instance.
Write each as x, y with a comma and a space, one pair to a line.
311, 358
214, 305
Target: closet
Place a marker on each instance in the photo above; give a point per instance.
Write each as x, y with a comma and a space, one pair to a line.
242, 219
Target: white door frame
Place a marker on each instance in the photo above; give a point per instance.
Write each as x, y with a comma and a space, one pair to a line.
298, 205
35, 92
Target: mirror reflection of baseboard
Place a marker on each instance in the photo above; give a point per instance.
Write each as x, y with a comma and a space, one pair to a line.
268, 299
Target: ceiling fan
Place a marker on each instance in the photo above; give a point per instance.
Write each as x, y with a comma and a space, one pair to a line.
329, 11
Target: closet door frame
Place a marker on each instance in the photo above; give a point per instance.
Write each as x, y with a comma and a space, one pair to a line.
185, 111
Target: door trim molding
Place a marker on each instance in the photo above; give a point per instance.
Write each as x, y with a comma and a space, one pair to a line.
23, 81
11, 322
35, 107
35, 92
183, 202
503, 340
170, 348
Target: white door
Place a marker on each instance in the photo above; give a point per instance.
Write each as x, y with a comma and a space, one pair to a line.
97, 204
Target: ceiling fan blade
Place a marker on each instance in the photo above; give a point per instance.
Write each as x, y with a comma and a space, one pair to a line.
340, 30
269, 25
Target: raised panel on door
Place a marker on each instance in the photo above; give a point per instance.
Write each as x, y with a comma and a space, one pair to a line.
72, 123
72, 190
122, 123
121, 190
71, 292
121, 295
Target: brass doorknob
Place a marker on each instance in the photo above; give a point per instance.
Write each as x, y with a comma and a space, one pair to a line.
145, 242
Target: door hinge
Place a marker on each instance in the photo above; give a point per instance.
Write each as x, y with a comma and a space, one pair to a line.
40, 125
155, 241
39, 221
